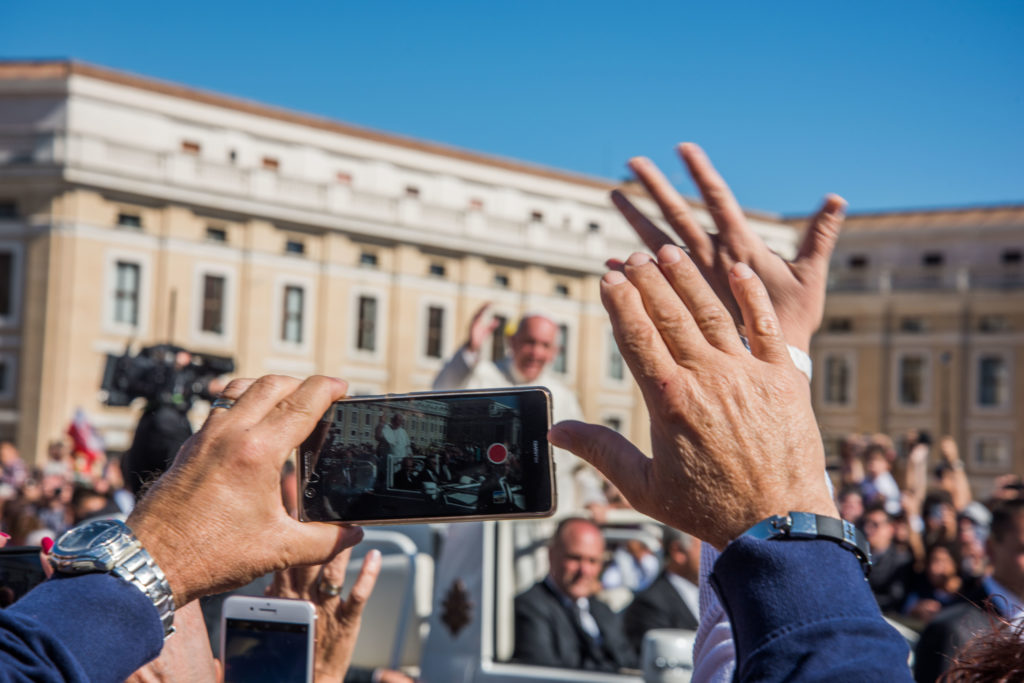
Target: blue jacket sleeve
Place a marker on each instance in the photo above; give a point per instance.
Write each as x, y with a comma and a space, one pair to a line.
801, 610
94, 627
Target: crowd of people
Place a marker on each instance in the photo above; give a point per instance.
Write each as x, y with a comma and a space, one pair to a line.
717, 338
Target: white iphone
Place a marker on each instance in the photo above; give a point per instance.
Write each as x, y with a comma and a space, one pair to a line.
267, 639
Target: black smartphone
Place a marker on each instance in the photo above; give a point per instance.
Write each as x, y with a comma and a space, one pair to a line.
20, 571
431, 456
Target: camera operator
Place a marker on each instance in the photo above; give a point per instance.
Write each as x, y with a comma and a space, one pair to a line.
173, 384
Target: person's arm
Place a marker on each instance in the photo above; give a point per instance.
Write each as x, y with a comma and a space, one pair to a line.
455, 373
961, 490
222, 489
734, 438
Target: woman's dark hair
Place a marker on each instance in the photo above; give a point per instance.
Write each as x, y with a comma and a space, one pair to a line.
996, 655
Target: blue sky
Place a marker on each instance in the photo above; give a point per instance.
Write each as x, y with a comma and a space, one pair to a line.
892, 105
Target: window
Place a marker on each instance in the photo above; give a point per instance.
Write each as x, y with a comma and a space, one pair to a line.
561, 289
412, 192
126, 293
343, 178
991, 453
911, 380
993, 323
537, 216
366, 327
216, 234
1012, 257
613, 422
912, 324
271, 164
837, 380
213, 304
368, 259
8, 367
8, 209
6, 283
993, 381
435, 324
129, 220
296, 247
232, 157
476, 204
933, 258
501, 280
291, 316
858, 261
593, 226
839, 325
615, 364
190, 147
561, 362
437, 269
499, 348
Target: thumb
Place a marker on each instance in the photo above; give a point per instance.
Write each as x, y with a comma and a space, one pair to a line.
317, 543
612, 454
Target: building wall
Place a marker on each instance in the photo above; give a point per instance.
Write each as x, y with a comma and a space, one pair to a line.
946, 287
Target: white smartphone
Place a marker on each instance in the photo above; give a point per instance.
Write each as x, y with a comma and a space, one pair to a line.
267, 639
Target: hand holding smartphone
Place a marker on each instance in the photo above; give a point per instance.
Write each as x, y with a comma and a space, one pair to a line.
432, 456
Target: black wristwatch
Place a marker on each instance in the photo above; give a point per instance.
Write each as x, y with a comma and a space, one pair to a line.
805, 525
110, 546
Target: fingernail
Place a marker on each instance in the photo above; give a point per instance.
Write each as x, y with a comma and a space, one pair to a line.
835, 206
613, 277
47, 544
7, 536
638, 259
560, 437
669, 254
741, 271
638, 162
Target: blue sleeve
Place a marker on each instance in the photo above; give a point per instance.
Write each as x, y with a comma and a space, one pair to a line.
94, 627
801, 610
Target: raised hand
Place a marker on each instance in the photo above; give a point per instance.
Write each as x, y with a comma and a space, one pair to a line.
733, 434
480, 328
797, 288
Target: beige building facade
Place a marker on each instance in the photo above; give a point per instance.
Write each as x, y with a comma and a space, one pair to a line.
135, 212
924, 329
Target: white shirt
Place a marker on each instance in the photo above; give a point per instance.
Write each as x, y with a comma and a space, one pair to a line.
687, 591
398, 441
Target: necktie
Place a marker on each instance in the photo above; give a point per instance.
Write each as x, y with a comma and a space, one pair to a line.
587, 619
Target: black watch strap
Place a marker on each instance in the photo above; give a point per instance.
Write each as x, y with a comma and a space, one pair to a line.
807, 525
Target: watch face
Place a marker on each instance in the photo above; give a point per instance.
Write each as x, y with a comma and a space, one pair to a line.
89, 536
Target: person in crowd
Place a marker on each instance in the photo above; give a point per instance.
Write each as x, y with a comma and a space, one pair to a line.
939, 515
879, 485
851, 504
12, 468
672, 601
950, 474
937, 586
407, 478
435, 471
891, 564
1000, 594
559, 622
972, 531
633, 565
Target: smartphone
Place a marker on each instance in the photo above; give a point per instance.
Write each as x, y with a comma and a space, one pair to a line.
267, 639
20, 571
429, 457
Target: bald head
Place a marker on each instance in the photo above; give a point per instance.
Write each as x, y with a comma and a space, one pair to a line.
576, 555
534, 345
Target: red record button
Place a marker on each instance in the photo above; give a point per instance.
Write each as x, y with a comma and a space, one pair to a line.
497, 453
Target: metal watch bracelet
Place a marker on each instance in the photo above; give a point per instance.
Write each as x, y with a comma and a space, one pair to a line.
141, 571
807, 525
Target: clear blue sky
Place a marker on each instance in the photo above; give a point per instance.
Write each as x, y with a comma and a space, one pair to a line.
891, 104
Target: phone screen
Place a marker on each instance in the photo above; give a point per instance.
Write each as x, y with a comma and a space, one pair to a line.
431, 456
20, 571
271, 651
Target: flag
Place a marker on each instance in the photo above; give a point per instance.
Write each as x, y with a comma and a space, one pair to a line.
85, 439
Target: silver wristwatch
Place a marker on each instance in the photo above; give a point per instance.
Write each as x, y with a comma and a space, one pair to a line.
110, 546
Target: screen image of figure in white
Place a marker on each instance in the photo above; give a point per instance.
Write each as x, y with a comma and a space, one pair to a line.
420, 458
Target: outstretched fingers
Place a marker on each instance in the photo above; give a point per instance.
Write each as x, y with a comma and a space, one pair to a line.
363, 587
646, 230
763, 330
675, 209
822, 233
637, 337
733, 231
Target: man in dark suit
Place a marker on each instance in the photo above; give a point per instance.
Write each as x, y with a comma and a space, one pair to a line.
673, 600
1001, 593
558, 621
